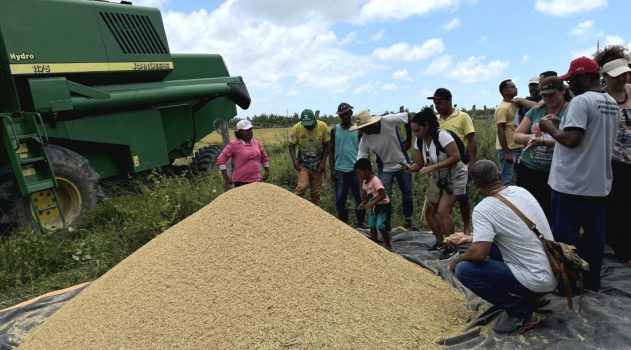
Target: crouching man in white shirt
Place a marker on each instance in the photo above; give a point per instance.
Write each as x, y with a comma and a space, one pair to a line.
515, 278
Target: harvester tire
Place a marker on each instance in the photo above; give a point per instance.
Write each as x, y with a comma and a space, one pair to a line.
78, 188
204, 159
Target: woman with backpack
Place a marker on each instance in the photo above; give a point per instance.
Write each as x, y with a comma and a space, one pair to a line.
438, 155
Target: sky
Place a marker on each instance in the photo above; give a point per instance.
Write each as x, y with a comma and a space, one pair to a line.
382, 54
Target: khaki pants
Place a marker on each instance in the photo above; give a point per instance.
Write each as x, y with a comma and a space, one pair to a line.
312, 179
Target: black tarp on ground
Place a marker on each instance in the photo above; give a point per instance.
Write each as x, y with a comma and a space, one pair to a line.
604, 321
17, 323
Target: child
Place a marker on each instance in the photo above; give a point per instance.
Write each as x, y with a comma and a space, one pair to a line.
374, 200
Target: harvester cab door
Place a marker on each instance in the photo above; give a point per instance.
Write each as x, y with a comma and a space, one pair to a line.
24, 139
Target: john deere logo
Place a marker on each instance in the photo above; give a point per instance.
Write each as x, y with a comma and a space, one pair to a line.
21, 56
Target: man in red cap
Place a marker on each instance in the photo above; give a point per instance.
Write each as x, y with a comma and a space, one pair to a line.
580, 174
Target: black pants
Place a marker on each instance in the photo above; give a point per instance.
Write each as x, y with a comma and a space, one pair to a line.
618, 207
237, 184
536, 182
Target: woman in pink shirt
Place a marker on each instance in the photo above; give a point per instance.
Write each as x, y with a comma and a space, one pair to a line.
247, 157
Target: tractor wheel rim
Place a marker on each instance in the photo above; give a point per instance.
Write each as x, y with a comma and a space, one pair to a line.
70, 201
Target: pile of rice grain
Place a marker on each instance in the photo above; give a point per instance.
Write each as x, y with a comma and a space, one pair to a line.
258, 268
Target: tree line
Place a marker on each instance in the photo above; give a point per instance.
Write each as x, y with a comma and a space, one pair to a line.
272, 120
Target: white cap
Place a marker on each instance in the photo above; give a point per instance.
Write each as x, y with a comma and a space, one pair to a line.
616, 67
533, 80
244, 125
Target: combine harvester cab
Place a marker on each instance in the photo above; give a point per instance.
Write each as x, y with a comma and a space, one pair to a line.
90, 90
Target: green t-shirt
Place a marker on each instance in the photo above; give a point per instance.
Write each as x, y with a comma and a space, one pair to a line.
539, 158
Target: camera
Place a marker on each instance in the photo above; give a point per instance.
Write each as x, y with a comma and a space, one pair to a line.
445, 185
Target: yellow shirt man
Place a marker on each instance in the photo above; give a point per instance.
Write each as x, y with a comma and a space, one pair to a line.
310, 143
459, 122
505, 113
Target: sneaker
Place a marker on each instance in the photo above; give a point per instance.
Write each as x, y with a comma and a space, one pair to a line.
516, 325
410, 226
436, 247
448, 253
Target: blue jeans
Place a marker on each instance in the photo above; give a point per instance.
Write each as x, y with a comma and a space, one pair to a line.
405, 185
494, 282
343, 182
569, 213
507, 169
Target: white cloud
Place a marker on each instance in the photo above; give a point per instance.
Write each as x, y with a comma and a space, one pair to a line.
607, 40
525, 58
408, 52
401, 74
562, 8
439, 65
389, 86
588, 52
151, 3
581, 29
295, 12
613, 40
453, 24
378, 36
269, 55
349, 38
483, 40
472, 70
368, 87
375, 10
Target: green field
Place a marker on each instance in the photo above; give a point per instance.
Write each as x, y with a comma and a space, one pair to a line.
268, 136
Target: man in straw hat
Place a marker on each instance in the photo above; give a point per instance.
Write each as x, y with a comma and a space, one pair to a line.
379, 136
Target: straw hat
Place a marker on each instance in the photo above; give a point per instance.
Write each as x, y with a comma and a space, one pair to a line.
363, 119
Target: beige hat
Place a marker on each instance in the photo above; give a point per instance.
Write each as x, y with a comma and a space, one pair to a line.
533, 80
363, 119
616, 67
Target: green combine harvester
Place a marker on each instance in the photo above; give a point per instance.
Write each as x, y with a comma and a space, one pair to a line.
89, 90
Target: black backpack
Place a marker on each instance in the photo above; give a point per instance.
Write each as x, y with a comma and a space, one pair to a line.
464, 152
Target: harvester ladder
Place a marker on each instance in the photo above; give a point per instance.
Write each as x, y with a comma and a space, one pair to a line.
24, 137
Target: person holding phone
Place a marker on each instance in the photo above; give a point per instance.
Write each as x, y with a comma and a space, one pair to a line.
436, 155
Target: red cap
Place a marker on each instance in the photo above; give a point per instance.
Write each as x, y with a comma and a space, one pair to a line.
581, 65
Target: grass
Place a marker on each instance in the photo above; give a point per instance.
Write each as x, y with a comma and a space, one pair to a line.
134, 212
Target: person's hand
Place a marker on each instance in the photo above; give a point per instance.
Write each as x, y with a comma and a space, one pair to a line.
404, 166
265, 175
227, 181
426, 170
452, 265
361, 206
534, 141
456, 239
406, 145
508, 157
548, 123
369, 205
333, 177
297, 165
518, 100
321, 168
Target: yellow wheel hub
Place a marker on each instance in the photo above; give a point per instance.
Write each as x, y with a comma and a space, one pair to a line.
69, 198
